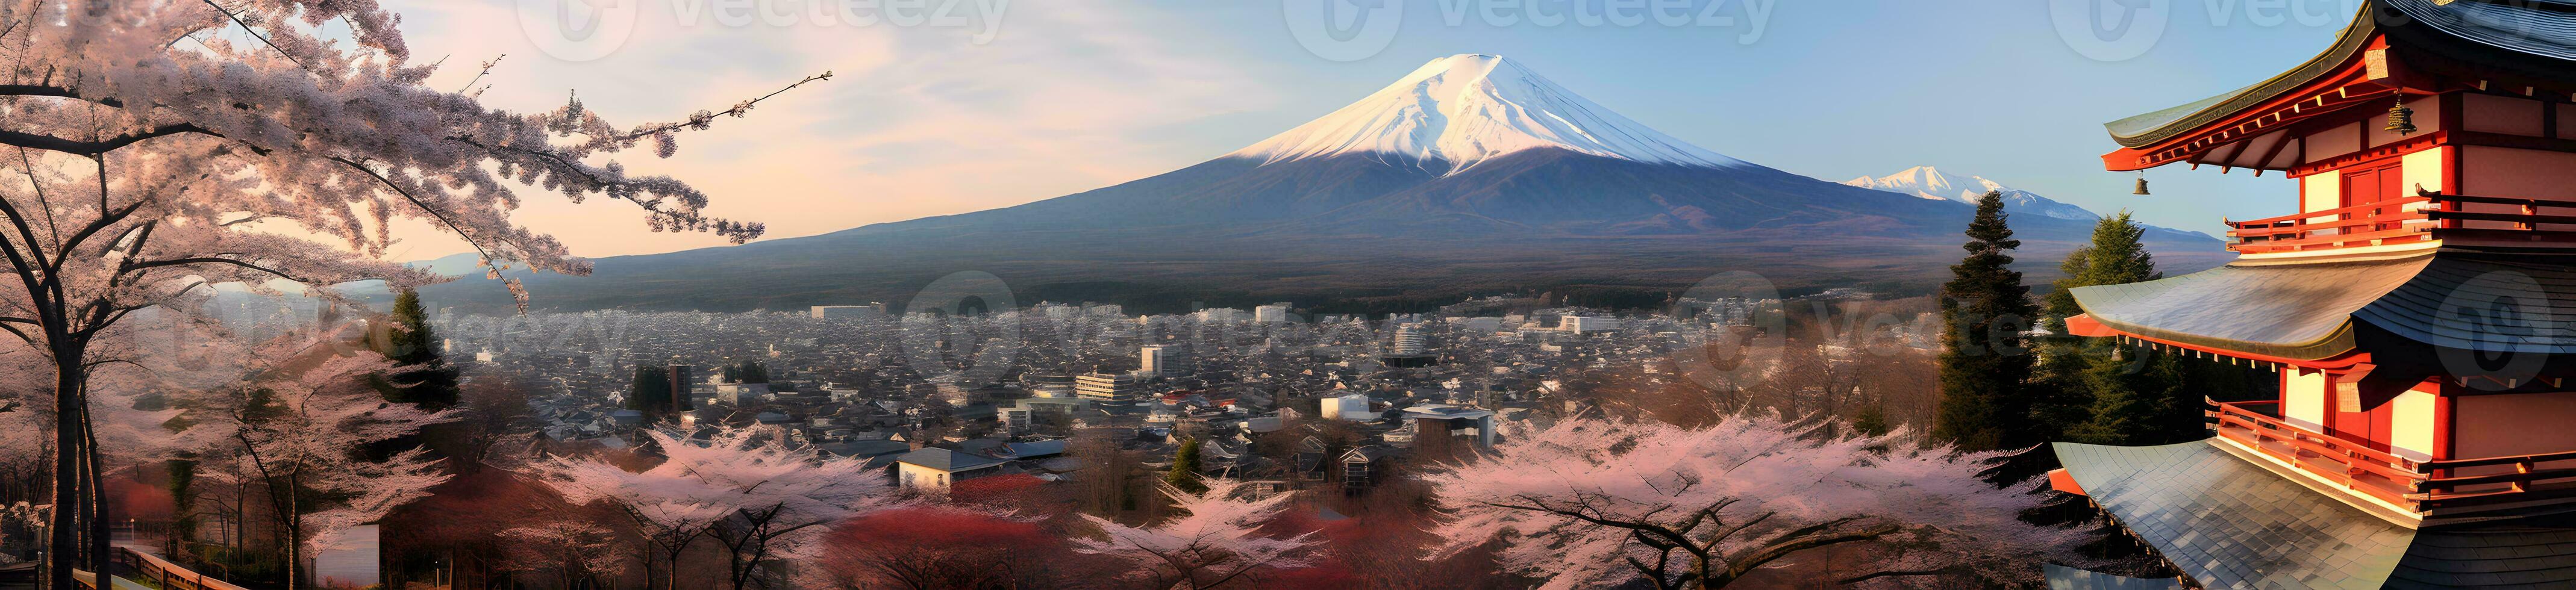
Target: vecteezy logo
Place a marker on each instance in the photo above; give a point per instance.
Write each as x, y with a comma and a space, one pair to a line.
1343, 30
2110, 30
578, 30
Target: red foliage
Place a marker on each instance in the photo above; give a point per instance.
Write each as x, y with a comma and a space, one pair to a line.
936, 547
138, 501
994, 488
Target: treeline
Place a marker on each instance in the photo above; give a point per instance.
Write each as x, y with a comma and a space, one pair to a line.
2003, 386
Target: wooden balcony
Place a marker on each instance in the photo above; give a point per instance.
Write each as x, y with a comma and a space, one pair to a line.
2424, 490
2425, 217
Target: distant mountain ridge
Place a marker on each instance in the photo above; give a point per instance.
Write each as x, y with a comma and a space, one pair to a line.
1469, 175
1931, 183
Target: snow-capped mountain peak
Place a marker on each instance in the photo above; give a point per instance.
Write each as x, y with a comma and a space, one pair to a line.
1468, 108
1930, 183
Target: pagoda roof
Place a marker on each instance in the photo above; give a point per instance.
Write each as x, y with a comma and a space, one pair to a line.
2519, 43
2306, 311
2299, 312
2067, 578
2228, 523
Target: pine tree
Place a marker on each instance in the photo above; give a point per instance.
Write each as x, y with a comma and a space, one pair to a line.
2064, 395
1185, 468
1984, 366
651, 392
2103, 393
422, 375
1872, 421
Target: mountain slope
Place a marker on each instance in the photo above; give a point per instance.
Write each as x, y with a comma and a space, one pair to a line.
1470, 175
1465, 109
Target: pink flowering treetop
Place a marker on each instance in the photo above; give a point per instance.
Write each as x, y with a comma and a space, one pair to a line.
1216, 540
1594, 502
764, 498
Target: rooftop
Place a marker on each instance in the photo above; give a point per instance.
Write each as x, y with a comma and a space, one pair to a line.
947, 460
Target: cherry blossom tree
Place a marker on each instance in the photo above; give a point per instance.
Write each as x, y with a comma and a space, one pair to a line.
762, 497
1216, 540
1595, 502
165, 146
300, 432
580, 553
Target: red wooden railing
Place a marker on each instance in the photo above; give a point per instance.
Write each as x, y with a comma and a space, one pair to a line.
2426, 216
151, 568
2393, 221
2420, 485
2356, 467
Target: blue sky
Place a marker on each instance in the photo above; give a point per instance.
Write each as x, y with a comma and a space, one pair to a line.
1066, 96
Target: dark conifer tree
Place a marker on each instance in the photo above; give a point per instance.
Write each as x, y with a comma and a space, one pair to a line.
1185, 468
423, 376
651, 393
1985, 367
2063, 396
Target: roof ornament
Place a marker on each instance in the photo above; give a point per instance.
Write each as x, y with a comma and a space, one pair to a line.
2142, 184
2400, 118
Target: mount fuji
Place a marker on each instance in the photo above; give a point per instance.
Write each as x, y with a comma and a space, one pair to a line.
1471, 174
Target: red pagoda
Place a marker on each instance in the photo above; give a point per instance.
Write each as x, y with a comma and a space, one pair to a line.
2419, 306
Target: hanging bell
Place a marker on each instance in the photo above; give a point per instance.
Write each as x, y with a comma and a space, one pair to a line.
2400, 118
2142, 185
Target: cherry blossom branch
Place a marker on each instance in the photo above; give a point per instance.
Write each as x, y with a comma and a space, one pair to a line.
424, 207
704, 118
263, 39
212, 260
93, 148
487, 69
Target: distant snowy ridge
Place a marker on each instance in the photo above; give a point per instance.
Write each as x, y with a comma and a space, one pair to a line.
1468, 108
1928, 182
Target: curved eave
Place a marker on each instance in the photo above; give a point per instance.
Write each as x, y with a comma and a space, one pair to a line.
2525, 46
2296, 314
2151, 130
2349, 356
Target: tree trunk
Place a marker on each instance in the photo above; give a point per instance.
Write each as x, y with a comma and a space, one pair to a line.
97, 481
294, 519
60, 553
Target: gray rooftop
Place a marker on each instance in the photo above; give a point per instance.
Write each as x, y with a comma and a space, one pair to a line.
2067, 578
947, 460
2230, 524
2305, 311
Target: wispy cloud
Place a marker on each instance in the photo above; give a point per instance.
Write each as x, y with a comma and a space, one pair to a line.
917, 121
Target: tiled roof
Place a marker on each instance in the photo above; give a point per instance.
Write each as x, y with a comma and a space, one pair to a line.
2534, 38
2536, 552
2067, 578
2305, 311
947, 460
2230, 524
2520, 301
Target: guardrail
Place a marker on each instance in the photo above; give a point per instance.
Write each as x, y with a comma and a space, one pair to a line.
152, 568
2344, 462
2396, 220
2429, 215
2423, 486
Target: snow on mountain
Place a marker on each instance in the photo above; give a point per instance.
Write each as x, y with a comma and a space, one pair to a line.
1468, 108
1930, 183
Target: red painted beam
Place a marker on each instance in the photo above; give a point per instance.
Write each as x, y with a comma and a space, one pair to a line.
2060, 480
